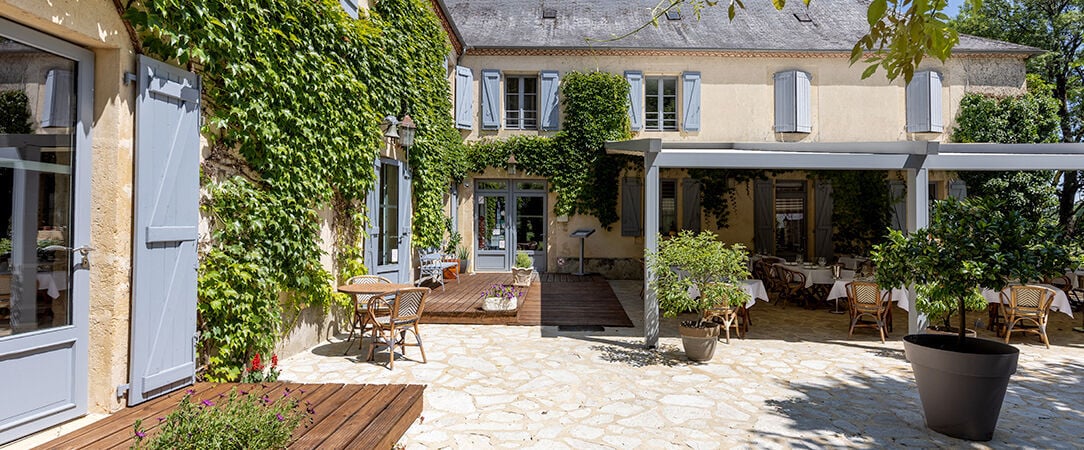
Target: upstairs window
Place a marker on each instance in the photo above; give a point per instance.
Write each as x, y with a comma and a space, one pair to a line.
660, 104
521, 102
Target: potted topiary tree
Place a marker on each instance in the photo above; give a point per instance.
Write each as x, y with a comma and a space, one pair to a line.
691, 260
968, 245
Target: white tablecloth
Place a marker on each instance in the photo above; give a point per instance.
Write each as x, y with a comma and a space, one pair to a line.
820, 275
1072, 274
839, 290
851, 262
754, 288
1061, 302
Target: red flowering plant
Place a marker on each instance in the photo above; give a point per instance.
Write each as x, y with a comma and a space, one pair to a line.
256, 373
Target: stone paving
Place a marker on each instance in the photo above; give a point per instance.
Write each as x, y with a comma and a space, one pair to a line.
797, 380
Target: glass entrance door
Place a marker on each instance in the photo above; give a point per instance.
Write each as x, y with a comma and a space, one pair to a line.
492, 246
530, 220
44, 137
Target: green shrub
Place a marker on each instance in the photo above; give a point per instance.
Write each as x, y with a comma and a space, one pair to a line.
237, 421
523, 260
703, 261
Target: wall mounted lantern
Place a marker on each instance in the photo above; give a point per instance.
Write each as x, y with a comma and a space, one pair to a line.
511, 164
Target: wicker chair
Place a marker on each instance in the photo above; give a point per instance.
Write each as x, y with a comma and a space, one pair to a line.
867, 299
404, 312
790, 283
358, 320
736, 317
1030, 303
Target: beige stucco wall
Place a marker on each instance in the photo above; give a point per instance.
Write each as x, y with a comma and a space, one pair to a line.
737, 105
94, 24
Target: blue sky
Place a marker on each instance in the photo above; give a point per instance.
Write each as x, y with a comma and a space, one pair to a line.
953, 7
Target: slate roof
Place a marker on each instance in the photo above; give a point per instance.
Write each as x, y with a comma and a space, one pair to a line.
518, 24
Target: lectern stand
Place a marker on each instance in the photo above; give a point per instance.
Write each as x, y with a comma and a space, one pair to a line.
582, 233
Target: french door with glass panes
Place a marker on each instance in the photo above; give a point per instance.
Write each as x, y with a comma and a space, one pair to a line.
510, 217
46, 96
388, 246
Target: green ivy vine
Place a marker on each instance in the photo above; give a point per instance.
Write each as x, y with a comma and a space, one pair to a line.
293, 94
580, 173
861, 208
719, 189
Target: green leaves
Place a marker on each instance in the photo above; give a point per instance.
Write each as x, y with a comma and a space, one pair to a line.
293, 96
697, 260
901, 36
876, 11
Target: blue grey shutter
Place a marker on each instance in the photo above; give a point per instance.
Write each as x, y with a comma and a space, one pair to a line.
802, 107
764, 216
690, 205
163, 317
690, 96
636, 99
957, 189
822, 227
551, 83
936, 121
351, 7
923, 96
632, 216
58, 109
785, 103
897, 191
372, 233
491, 99
793, 107
464, 95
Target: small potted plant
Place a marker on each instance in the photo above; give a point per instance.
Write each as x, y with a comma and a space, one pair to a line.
971, 244
464, 258
700, 261
501, 297
523, 270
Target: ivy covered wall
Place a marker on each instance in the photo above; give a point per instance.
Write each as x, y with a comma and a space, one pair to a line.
294, 92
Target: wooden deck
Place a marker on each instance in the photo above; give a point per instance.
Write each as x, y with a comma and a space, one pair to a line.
553, 299
345, 415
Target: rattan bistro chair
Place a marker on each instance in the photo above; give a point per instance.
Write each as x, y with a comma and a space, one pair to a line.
404, 312
865, 299
358, 320
1030, 303
791, 284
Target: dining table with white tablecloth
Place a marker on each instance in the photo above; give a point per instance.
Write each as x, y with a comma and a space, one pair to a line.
818, 274
852, 262
753, 288
1061, 301
1074, 277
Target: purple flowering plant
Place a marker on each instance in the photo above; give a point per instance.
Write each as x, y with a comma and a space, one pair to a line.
503, 291
237, 420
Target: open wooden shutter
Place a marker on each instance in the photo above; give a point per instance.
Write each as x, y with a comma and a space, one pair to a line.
923, 96
632, 215
163, 317
636, 99
957, 189
690, 96
464, 95
491, 99
351, 7
803, 105
690, 204
785, 118
551, 82
58, 109
822, 228
897, 190
764, 216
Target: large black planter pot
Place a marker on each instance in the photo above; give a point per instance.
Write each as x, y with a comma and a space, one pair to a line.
699, 343
961, 387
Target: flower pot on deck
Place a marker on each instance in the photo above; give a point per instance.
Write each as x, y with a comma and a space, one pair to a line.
451, 273
961, 387
699, 341
499, 303
522, 276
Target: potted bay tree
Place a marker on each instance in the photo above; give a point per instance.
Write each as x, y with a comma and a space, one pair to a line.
701, 261
969, 245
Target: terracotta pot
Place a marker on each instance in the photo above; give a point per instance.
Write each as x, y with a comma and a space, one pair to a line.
452, 273
961, 387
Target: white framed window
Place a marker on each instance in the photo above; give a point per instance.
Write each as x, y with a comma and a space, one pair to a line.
660, 104
521, 102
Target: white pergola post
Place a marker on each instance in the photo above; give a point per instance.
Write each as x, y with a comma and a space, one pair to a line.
918, 216
651, 245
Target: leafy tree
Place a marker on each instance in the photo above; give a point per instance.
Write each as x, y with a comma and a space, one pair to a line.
1031, 118
1056, 26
